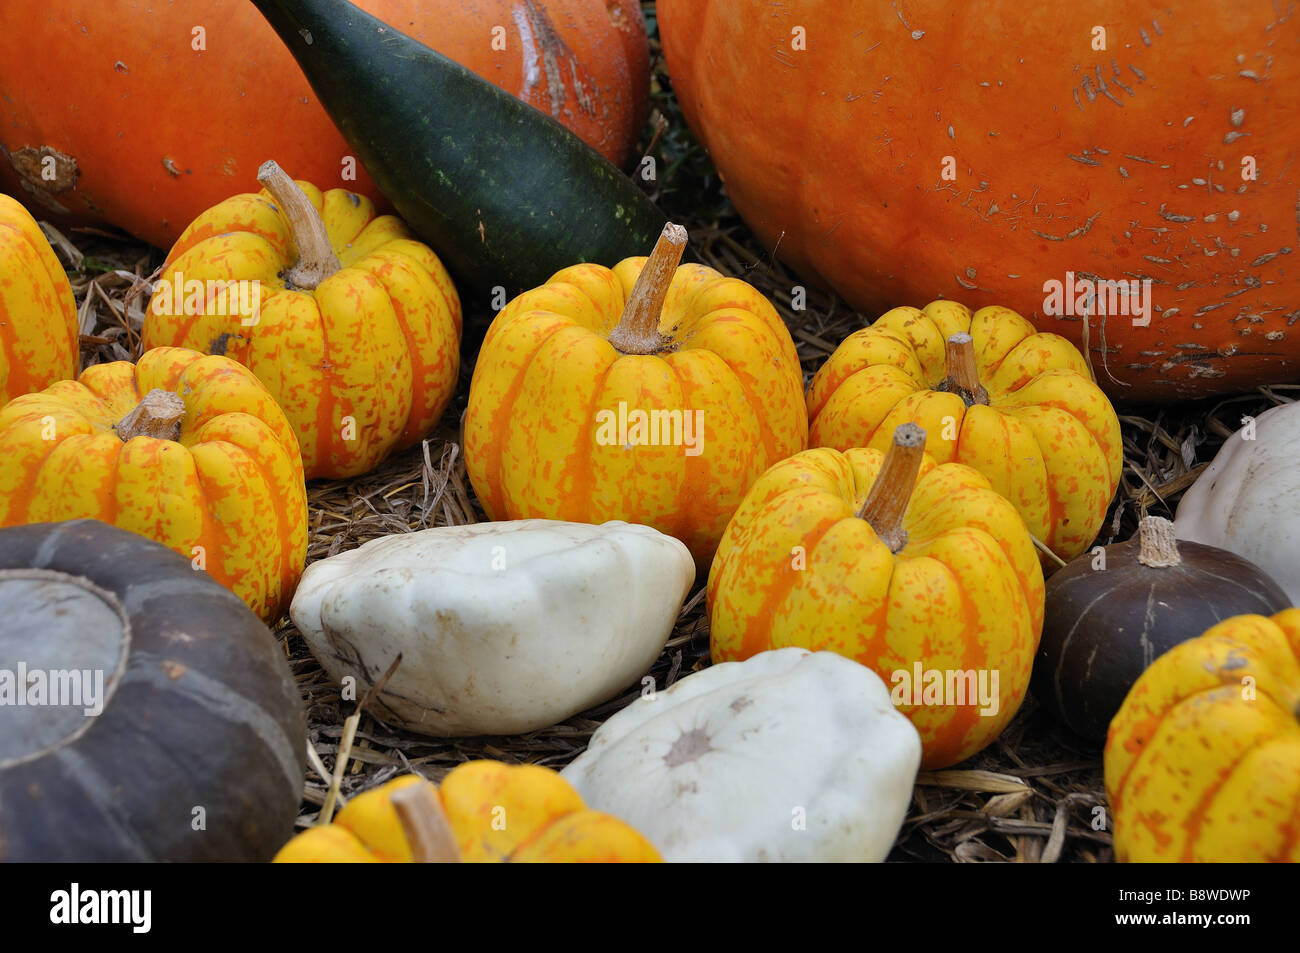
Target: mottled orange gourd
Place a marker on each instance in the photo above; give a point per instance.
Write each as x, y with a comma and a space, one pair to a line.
353, 326
565, 369
484, 812
1203, 758
38, 316
186, 449
897, 563
992, 393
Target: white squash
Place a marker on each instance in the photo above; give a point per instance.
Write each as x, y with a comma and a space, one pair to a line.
503, 627
787, 756
1248, 499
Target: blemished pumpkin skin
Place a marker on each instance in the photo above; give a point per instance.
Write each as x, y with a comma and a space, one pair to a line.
799, 567
497, 813
363, 363
585, 63
547, 369
1048, 439
38, 315
1203, 759
1122, 163
225, 492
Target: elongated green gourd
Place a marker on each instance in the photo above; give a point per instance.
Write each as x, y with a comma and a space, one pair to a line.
502, 192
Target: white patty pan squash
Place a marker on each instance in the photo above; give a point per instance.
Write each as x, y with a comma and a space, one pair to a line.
1248, 499
503, 627
788, 756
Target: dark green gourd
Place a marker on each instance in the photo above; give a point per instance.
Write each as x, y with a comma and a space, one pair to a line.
503, 193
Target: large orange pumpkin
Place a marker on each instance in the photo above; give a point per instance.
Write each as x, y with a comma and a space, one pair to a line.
978, 150
145, 131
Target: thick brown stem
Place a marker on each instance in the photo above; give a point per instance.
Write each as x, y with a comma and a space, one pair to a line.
963, 376
158, 415
638, 328
1157, 546
425, 824
887, 502
316, 258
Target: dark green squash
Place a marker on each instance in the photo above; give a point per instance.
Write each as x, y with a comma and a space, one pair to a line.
1109, 615
197, 751
502, 192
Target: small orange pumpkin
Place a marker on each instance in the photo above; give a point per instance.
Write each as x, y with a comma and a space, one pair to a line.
1203, 758
484, 811
352, 326
649, 393
38, 316
908, 567
994, 394
186, 449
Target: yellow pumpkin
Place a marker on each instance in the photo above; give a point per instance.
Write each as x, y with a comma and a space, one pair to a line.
993, 393
485, 811
648, 393
352, 325
908, 567
186, 449
38, 316
1203, 758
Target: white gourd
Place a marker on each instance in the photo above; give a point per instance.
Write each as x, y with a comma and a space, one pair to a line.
503, 627
1248, 499
788, 756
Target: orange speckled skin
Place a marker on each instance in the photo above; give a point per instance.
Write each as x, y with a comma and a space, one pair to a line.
547, 368
797, 567
1201, 767
378, 341
499, 813
38, 316
233, 483
1048, 440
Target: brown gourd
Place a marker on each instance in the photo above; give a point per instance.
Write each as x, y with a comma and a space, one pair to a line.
1113, 611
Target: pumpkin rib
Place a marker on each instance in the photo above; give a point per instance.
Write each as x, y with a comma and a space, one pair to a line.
1152, 727
1207, 799
504, 410
756, 638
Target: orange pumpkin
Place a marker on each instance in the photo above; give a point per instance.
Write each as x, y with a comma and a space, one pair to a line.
122, 123
38, 316
484, 811
1015, 405
979, 150
186, 449
921, 572
641, 393
353, 326
1203, 758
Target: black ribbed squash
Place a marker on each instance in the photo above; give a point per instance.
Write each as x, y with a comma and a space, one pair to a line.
1102, 627
198, 751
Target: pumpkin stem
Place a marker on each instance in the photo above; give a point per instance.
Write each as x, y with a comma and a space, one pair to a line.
963, 376
887, 501
158, 415
638, 329
425, 824
316, 258
1157, 546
